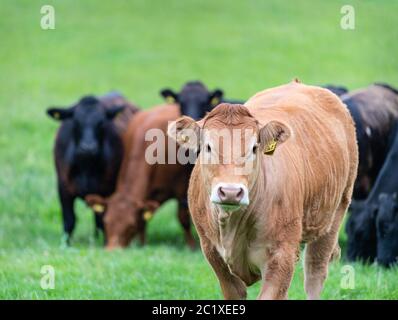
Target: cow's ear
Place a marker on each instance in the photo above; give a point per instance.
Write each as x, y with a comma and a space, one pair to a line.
113, 111
60, 113
97, 203
273, 134
169, 95
216, 97
186, 132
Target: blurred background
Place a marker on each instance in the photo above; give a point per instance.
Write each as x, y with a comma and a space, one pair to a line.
139, 47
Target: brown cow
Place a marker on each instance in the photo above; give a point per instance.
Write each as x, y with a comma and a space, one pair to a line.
303, 156
143, 187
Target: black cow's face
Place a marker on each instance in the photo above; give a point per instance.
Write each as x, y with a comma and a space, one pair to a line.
89, 119
194, 99
361, 231
387, 230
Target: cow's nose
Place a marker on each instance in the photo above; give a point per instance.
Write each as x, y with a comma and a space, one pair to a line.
89, 147
230, 195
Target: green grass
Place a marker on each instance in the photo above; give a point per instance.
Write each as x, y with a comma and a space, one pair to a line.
139, 47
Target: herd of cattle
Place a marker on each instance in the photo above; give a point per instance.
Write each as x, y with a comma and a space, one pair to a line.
304, 147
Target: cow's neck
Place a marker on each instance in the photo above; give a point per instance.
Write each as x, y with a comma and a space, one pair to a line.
236, 233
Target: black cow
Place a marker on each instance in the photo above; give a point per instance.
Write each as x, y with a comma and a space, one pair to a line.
195, 99
387, 229
88, 151
374, 110
364, 221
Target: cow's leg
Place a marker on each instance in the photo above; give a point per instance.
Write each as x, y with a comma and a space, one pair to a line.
68, 214
185, 221
318, 254
231, 286
278, 274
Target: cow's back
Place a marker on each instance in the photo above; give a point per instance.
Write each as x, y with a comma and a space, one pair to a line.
377, 105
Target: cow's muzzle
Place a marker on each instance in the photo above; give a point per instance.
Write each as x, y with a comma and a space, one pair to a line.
230, 195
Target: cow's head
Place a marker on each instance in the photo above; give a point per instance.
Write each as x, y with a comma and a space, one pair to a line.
387, 230
231, 145
361, 231
90, 120
194, 99
124, 217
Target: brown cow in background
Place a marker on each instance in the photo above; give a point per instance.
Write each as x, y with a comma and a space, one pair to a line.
303, 156
142, 187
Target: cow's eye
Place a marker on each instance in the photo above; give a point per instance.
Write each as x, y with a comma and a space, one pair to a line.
208, 149
255, 147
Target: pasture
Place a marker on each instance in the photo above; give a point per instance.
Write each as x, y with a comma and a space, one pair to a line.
139, 47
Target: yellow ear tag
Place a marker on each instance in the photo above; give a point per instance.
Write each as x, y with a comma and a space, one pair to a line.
215, 101
270, 148
184, 138
148, 215
170, 99
98, 208
57, 115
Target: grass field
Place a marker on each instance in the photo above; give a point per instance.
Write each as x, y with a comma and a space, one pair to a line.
139, 47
